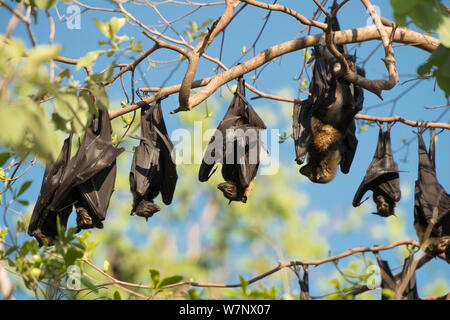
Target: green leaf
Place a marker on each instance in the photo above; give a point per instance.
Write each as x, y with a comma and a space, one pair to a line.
244, 284
46, 4
63, 74
89, 59
106, 265
444, 31
389, 293
28, 246
155, 276
102, 26
89, 284
205, 23
193, 294
4, 157
439, 64
72, 255
24, 188
116, 24
3, 233
117, 295
336, 284
23, 202
169, 281
42, 54
137, 47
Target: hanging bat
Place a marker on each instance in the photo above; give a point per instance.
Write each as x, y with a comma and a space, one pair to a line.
95, 162
388, 280
236, 145
43, 223
323, 125
431, 203
153, 170
86, 181
382, 177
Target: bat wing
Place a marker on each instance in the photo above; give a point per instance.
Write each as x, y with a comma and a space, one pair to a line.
429, 194
92, 171
301, 126
143, 167
144, 176
167, 163
348, 148
43, 220
410, 292
247, 154
95, 195
215, 150
382, 173
387, 278
247, 147
336, 27
145, 161
319, 87
250, 145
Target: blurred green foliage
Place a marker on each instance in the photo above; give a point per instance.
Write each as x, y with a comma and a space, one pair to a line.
429, 15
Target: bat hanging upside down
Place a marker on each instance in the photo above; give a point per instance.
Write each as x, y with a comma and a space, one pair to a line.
323, 124
236, 145
431, 204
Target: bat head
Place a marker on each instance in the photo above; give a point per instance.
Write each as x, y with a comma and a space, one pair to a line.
385, 206
438, 247
42, 238
232, 192
322, 166
145, 208
86, 220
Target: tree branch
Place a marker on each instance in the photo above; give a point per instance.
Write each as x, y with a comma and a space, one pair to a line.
281, 8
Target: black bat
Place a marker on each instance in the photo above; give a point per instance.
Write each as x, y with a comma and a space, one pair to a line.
86, 181
153, 169
94, 168
431, 203
236, 145
43, 223
382, 177
323, 125
388, 280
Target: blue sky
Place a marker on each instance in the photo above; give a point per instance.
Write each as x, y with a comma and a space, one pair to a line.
279, 77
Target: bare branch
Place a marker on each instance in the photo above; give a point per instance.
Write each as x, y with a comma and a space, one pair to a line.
405, 121
281, 8
217, 27
341, 37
